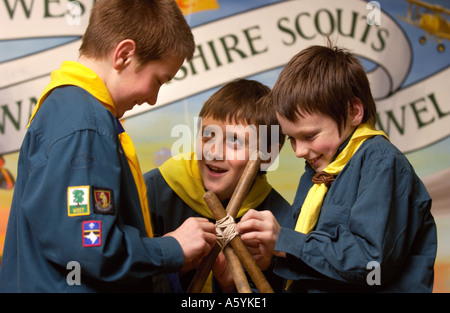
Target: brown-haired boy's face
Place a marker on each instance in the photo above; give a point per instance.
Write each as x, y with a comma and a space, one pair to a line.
135, 86
315, 137
223, 154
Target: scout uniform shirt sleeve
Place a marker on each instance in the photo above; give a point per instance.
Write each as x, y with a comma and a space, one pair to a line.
78, 201
371, 213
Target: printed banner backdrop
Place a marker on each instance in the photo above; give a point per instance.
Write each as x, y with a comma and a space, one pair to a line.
403, 44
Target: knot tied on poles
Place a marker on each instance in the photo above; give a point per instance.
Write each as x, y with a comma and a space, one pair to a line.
234, 249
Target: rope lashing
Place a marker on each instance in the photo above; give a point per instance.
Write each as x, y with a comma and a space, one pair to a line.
225, 230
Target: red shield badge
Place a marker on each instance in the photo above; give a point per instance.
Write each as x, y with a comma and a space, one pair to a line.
103, 200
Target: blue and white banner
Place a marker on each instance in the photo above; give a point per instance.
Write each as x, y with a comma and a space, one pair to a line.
240, 45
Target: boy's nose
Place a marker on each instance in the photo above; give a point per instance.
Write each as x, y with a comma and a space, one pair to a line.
301, 151
214, 151
151, 100
153, 96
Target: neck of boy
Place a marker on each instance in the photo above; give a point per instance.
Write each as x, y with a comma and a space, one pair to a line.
344, 144
93, 64
100, 67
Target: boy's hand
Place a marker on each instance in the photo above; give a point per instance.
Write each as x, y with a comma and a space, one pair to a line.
196, 237
259, 230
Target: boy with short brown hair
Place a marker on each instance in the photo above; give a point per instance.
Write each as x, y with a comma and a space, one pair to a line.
157, 28
361, 218
79, 219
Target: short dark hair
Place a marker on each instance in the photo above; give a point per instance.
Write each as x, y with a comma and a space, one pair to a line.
323, 79
158, 28
242, 101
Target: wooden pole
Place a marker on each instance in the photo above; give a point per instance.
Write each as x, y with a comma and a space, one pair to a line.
239, 247
237, 271
244, 185
235, 203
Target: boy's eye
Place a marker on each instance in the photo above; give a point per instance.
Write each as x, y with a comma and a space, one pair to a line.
236, 141
310, 136
207, 133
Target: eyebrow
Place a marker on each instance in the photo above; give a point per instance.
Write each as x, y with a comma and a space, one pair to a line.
302, 132
214, 127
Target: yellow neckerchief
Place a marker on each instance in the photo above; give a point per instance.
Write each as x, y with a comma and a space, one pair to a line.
310, 211
183, 176
76, 74
312, 205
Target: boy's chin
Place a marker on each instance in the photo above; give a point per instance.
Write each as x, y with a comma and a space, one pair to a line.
219, 192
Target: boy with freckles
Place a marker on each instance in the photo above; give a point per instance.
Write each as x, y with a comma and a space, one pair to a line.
224, 146
359, 203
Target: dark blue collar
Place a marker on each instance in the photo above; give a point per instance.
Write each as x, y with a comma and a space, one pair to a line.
120, 127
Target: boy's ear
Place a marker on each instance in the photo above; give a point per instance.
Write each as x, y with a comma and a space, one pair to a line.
356, 112
123, 53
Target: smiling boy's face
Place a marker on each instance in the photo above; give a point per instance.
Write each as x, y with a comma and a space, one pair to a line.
223, 154
135, 86
316, 137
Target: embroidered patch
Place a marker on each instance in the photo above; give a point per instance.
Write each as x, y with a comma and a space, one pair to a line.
92, 233
78, 201
103, 200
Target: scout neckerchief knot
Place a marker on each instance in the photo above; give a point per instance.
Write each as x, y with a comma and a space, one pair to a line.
76, 74
182, 174
312, 205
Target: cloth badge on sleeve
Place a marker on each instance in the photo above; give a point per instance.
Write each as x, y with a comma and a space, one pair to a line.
92, 233
78, 200
103, 200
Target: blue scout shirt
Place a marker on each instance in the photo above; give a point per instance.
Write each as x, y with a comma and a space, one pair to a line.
377, 209
76, 200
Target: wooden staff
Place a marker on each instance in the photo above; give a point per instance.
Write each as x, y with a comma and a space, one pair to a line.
244, 184
237, 271
239, 194
239, 247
